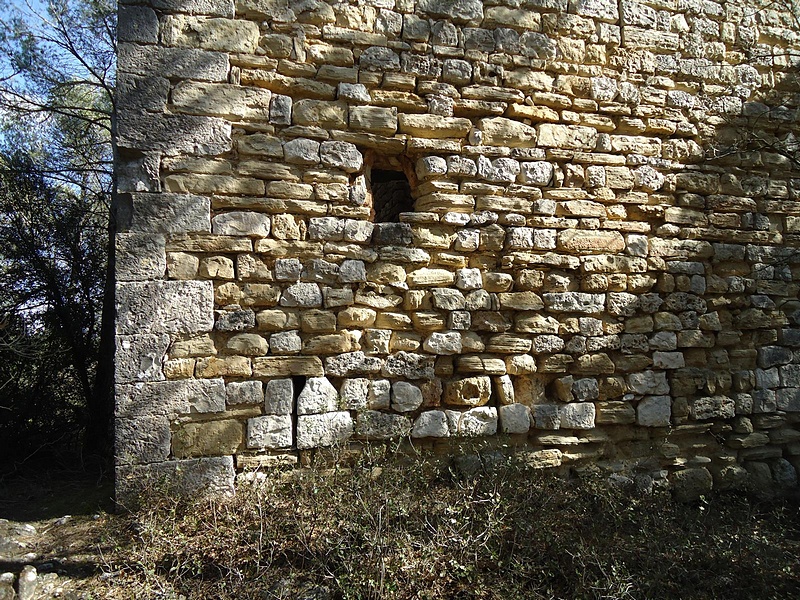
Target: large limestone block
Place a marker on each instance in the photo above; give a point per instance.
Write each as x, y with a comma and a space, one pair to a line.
210, 8
567, 137
144, 439
140, 358
434, 126
327, 429
475, 422
187, 478
514, 418
140, 257
270, 431
406, 397
222, 100
499, 131
173, 134
577, 415
591, 242
603, 10
574, 302
381, 121
164, 307
170, 398
173, 63
163, 213
714, 407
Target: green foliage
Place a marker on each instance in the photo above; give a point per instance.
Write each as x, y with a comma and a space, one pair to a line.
389, 529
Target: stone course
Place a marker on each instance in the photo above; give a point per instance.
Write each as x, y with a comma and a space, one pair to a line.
587, 275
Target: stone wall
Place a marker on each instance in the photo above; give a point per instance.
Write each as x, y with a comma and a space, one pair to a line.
601, 266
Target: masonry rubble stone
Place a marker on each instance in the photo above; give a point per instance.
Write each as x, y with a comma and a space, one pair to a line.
349, 222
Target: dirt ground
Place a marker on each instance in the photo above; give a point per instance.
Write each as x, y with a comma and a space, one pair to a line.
54, 521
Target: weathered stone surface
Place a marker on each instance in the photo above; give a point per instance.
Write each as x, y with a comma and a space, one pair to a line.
283, 366
244, 392
514, 418
270, 431
327, 429
140, 358
475, 422
318, 396
432, 423
352, 363
140, 257
464, 12
409, 365
577, 415
715, 407
573, 137
188, 478
164, 307
376, 425
212, 438
499, 131
690, 484
163, 213
654, 411
470, 391
406, 397
574, 302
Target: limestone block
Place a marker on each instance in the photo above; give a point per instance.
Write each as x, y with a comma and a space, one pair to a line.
140, 257
568, 137
327, 429
305, 295
408, 365
715, 407
191, 478
280, 111
499, 170
546, 416
514, 418
164, 307
285, 342
406, 397
462, 12
788, 399
505, 388
235, 320
278, 396
144, 439
212, 438
499, 131
241, 223
302, 151
378, 58
341, 155
353, 93
538, 45
177, 63
222, 100
136, 93
434, 126
377, 120
352, 363
285, 366
140, 358
173, 133
270, 431
320, 113
244, 392
432, 423
228, 366
615, 413
654, 411
163, 213
591, 242
648, 382
317, 396
469, 391
578, 302
211, 8
668, 360
426, 277
475, 422
376, 425
137, 24
690, 484
443, 343
469, 279
577, 415
170, 398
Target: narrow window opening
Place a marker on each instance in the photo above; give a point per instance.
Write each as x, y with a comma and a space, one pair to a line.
391, 195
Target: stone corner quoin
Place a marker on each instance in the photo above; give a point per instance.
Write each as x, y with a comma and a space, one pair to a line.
344, 222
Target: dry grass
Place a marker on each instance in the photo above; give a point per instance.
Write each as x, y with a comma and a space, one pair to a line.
385, 529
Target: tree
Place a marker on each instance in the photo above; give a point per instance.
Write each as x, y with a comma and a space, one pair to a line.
57, 76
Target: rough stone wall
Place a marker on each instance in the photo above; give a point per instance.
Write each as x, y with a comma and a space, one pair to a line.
597, 270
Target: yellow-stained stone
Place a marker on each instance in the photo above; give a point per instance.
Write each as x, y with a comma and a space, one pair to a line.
228, 366
591, 242
287, 366
212, 438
